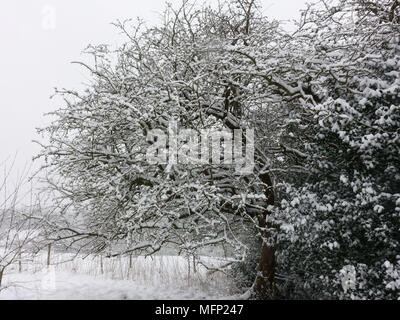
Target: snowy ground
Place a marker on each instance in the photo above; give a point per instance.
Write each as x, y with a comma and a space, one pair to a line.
77, 286
162, 277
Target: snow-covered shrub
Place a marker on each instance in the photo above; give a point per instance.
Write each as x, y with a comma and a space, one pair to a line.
346, 210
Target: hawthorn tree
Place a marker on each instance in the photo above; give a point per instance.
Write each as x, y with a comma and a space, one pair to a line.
184, 70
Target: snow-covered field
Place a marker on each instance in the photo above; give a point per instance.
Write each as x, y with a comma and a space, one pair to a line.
94, 277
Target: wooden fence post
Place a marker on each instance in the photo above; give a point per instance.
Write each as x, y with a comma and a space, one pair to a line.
48, 254
20, 262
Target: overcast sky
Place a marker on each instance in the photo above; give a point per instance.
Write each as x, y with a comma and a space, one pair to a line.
39, 39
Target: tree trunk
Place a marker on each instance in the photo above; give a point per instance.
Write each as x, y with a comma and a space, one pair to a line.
264, 284
263, 287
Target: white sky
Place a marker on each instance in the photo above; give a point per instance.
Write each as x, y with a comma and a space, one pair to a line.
35, 57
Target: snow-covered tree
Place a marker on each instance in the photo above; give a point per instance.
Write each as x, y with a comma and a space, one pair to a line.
183, 71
